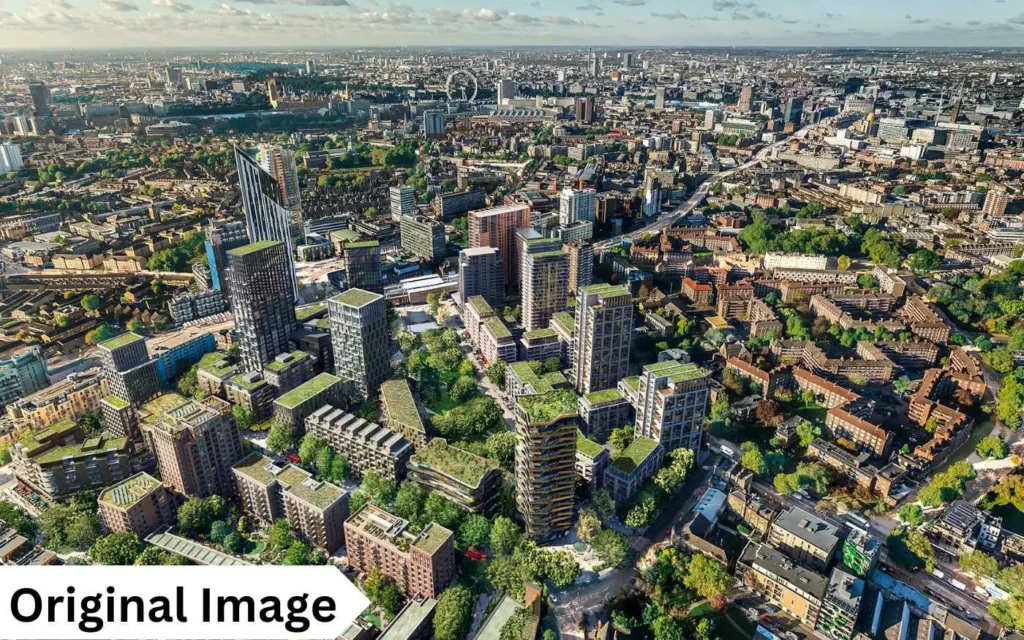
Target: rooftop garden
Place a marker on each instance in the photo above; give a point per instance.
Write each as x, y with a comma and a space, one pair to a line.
303, 314
549, 407
432, 538
603, 397
462, 465
307, 390
634, 455
401, 405
587, 446
356, 297
120, 341
89, 447
217, 363
130, 491
115, 402
252, 248
280, 365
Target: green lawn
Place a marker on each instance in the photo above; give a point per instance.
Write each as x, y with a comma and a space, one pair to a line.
258, 548
813, 413
443, 405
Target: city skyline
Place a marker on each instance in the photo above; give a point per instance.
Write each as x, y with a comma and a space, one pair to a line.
319, 23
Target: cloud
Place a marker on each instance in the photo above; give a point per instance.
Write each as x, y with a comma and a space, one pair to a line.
726, 5
118, 5
791, 21
324, 3
831, 16
1017, 19
60, 4
736, 15
912, 20
590, 6
631, 3
173, 5
760, 13
670, 15
535, 4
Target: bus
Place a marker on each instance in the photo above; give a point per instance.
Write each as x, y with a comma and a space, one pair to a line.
858, 521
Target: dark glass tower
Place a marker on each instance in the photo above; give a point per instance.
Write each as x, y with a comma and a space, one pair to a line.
262, 299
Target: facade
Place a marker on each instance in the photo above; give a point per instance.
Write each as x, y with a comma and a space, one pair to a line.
262, 300
288, 370
10, 157
861, 551
221, 237
482, 273
252, 392
280, 163
22, 374
69, 399
188, 305
581, 264
448, 205
544, 279
139, 504
603, 328
268, 218
841, 606
129, 372
361, 339
401, 413
789, 586
194, 442
521, 380
632, 467
672, 399
496, 227
466, 479
403, 202
496, 342
423, 237
270, 492
576, 205
362, 265
540, 345
174, 355
591, 461
603, 411
420, 563
545, 462
775, 260
59, 460
805, 538
118, 418
366, 445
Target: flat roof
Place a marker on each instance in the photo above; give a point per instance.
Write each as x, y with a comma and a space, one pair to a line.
635, 454
120, 341
492, 626
603, 397
775, 563
129, 491
466, 467
409, 619
401, 404
307, 390
217, 363
548, 407
356, 297
676, 371
808, 527
252, 248
498, 328
200, 554
586, 446
432, 537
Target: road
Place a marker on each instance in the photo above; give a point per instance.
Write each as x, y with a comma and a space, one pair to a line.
668, 219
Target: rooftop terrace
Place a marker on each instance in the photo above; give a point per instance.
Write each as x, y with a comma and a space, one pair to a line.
634, 455
130, 491
548, 407
467, 468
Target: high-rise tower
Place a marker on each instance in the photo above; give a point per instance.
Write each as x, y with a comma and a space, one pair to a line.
262, 300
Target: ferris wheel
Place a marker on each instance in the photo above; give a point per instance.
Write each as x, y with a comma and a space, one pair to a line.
461, 85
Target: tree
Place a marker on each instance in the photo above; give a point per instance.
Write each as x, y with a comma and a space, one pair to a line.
505, 536
502, 447
621, 438
901, 385
979, 564
588, 526
496, 373
189, 382
437, 508
474, 532
119, 549
380, 490
324, 462
767, 412
281, 534
197, 515
281, 437
993, 447
91, 302
454, 613
603, 505
611, 547
243, 417
219, 530
480, 415
21, 521
339, 469
463, 390
843, 263
102, 333
707, 577
233, 542
753, 460
806, 432
381, 591
297, 555
999, 359
925, 261
66, 528
552, 364
155, 556
912, 514
911, 549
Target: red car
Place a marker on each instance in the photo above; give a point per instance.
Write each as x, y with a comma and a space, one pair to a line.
292, 458
473, 554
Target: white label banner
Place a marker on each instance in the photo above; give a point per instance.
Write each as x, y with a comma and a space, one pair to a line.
176, 603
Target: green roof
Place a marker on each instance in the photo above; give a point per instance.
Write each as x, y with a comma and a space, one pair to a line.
252, 248
34, 441
548, 407
676, 371
554, 253
121, 340
604, 397
539, 334
587, 446
565, 319
362, 244
305, 313
299, 482
356, 297
633, 382
130, 491
432, 538
344, 235
481, 305
604, 290
463, 466
401, 405
523, 371
634, 455
276, 365
210, 362
409, 620
162, 404
498, 328
240, 381
554, 379
254, 466
323, 323
115, 402
307, 390
91, 446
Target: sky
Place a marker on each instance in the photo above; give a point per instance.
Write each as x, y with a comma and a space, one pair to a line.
58, 24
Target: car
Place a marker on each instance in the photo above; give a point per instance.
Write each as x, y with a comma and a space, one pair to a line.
554, 598
772, 608
765, 618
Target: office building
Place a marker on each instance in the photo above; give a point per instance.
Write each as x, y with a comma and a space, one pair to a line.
576, 205
129, 372
545, 462
310, 68
496, 227
222, 237
10, 157
194, 442
267, 216
746, 101
361, 339
593, 65
68, 399
423, 237
603, 328
60, 460
403, 202
581, 264
262, 300
672, 400
421, 563
805, 538
361, 263
21, 374
269, 492
433, 124
40, 98
140, 504
545, 281
472, 482
280, 163
367, 446
301, 402
585, 109
794, 110
482, 273
506, 90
